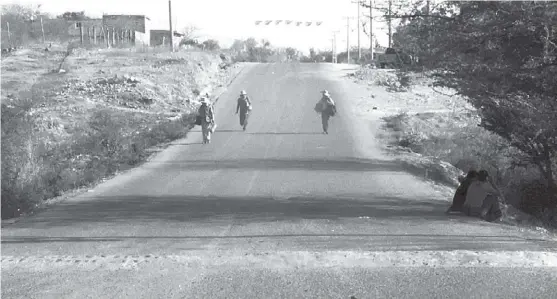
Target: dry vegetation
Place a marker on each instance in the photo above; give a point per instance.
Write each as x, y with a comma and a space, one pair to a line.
72, 116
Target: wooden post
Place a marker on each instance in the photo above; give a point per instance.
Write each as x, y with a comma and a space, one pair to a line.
113, 36
94, 35
108, 40
81, 32
106, 36
170, 23
9, 34
42, 29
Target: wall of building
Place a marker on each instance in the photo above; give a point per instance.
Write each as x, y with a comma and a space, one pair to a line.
160, 36
73, 26
140, 24
133, 22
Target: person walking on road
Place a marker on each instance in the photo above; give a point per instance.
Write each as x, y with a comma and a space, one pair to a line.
207, 115
244, 106
326, 106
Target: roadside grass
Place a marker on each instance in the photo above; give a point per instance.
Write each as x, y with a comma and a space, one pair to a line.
56, 139
36, 168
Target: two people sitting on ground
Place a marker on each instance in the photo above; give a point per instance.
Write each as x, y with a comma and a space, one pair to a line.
476, 197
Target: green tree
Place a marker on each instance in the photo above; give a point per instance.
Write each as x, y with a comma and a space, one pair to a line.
502, 56
73, 16
211, 45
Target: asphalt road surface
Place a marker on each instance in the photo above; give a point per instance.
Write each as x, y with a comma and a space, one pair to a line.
278, 211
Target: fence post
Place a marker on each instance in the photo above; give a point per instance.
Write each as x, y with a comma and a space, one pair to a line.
106, 36
42, 29
113, 36
81, 32
94, 35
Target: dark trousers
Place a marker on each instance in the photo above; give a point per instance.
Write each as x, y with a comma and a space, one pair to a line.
325, 121
244, 118
489, 211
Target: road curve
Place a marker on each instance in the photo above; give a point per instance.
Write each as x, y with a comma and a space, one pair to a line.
278, 211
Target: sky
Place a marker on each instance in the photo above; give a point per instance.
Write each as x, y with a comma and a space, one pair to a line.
226, 20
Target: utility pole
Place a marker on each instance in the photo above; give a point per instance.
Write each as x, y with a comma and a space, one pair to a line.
348, 40
389, 21
9, 34
334, 58
170, 21
334, 55
359, 47
332, 50
371, 28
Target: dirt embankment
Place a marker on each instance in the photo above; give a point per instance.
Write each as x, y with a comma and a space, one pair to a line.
71, 118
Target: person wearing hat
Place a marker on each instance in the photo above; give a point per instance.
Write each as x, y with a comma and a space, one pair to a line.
244, 106
207, 114
326, 106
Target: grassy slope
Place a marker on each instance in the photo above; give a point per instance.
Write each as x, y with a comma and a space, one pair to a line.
100, 114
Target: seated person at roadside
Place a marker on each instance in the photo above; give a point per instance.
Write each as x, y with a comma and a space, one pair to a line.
475, 204
460, 193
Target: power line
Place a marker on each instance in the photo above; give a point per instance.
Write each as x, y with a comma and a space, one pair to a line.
288, 22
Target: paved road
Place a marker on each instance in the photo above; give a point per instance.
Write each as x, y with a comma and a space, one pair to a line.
278, 211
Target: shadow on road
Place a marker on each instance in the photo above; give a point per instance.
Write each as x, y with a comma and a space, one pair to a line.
227, 131
211, 211
118, 209
187, 143
450, 242
286, 133
346, 164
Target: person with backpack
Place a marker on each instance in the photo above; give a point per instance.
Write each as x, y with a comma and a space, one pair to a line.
244, 106
326, 106
206, 114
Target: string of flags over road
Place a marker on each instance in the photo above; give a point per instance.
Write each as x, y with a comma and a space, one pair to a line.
288, 22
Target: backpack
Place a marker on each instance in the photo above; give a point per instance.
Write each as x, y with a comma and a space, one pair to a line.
332, 110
